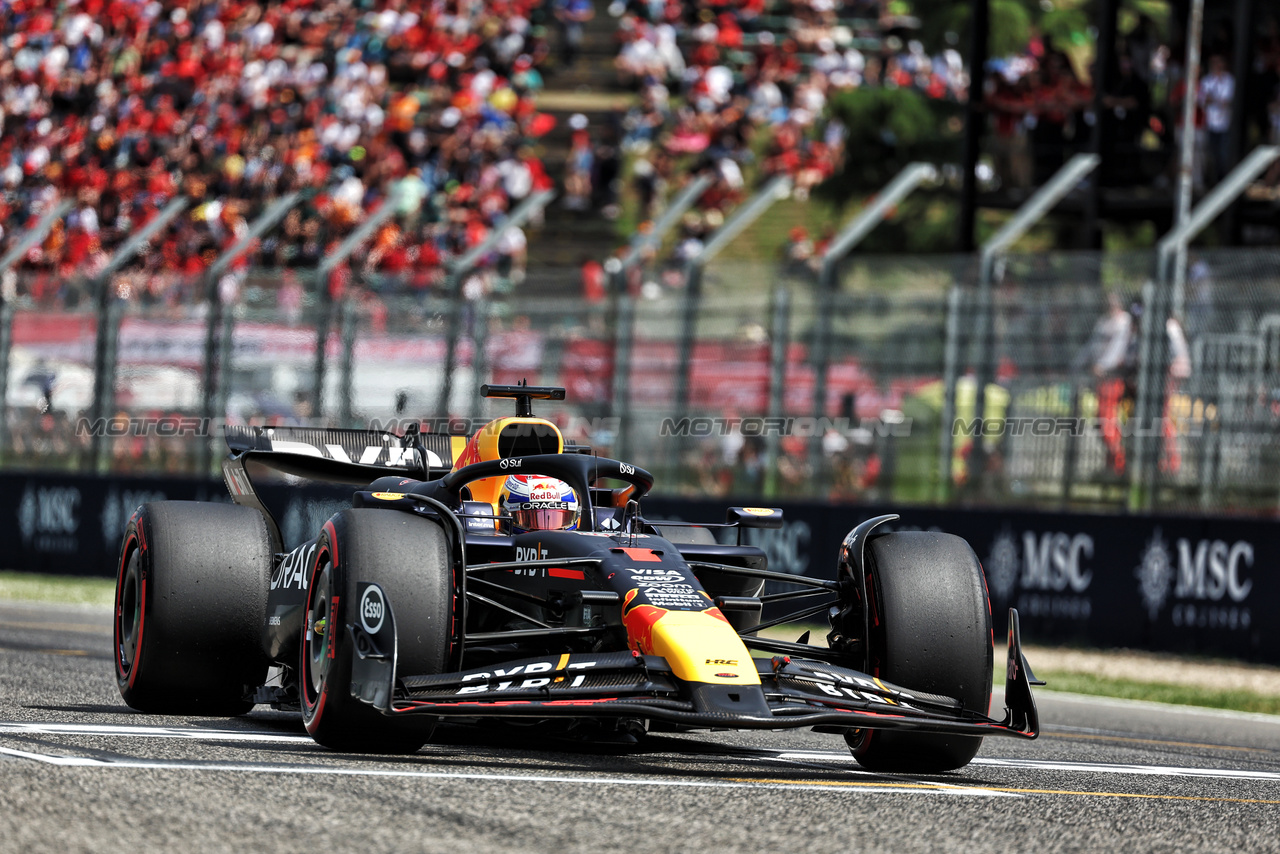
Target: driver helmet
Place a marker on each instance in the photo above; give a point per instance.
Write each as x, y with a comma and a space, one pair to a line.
539, 503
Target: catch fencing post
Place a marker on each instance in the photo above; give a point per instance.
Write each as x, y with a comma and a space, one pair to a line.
106, 345
779, 187
620, 394
6, 341
524, 212
42, 227
217, 342
324, 299
902, 185
38, 233
1168, 299
1044, 199
779, 343
644, 242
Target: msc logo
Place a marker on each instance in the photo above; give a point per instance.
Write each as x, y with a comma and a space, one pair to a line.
1052, 561
1209, 572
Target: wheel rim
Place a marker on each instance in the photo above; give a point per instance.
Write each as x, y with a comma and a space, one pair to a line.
130, 613
318, 627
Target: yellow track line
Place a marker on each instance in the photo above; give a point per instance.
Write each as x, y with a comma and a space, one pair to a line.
885, 785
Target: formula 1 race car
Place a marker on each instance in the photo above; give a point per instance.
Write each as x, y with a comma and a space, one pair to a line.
512, 578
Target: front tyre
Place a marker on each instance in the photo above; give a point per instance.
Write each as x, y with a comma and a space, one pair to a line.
930, 631
409, 557
191, 593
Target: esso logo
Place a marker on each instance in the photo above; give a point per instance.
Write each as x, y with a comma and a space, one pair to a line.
373, 608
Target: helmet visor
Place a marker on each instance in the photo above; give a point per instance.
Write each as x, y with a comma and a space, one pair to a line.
530, 517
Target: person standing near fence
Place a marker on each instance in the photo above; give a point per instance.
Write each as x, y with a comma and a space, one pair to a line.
1108, 356
1175, 403
1216, 92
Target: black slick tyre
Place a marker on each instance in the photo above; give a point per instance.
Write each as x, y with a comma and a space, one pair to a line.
931, 632
409, 557
191, 593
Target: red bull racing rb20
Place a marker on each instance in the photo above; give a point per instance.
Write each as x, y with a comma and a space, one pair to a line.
508, 577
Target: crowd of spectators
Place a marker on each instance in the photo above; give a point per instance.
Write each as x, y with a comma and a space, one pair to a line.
1043, 108
743, 89
121, 105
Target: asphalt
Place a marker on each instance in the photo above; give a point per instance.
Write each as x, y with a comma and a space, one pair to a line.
79, 771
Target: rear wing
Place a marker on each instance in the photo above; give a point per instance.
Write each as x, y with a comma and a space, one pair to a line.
354, 457
346, 456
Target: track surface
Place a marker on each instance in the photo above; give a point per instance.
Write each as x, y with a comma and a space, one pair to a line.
79, 771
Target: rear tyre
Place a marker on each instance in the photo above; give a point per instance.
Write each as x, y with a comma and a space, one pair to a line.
409, 557
191, 592
931, 632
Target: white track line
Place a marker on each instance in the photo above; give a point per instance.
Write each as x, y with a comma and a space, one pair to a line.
1134, 770
285, 770
1073, 767
194, 734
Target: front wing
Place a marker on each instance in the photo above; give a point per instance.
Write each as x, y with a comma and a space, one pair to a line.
793, 692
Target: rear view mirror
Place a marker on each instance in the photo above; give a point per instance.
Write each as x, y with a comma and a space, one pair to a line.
754, 517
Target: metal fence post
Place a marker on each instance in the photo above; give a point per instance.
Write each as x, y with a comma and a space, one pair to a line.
216, 330
643, 242
1063, 181
36, 234
779, 343
325, 300
6, 342
462, 268
1168, 299
106, 345
479, 353
453, 328
777, 188
623, 344
684, 353
349, 326
950, 375
911, 177
33, 236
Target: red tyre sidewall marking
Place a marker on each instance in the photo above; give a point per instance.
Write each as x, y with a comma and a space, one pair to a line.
138, 537
986, 594
129, 540
329, 548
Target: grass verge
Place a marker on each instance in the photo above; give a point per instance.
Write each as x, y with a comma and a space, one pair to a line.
58, 589
1161, 692
1087, 682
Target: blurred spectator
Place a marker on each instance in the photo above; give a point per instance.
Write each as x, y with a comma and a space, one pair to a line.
572, 15
1126, 112
578, 170
1217, 89
1107, 354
